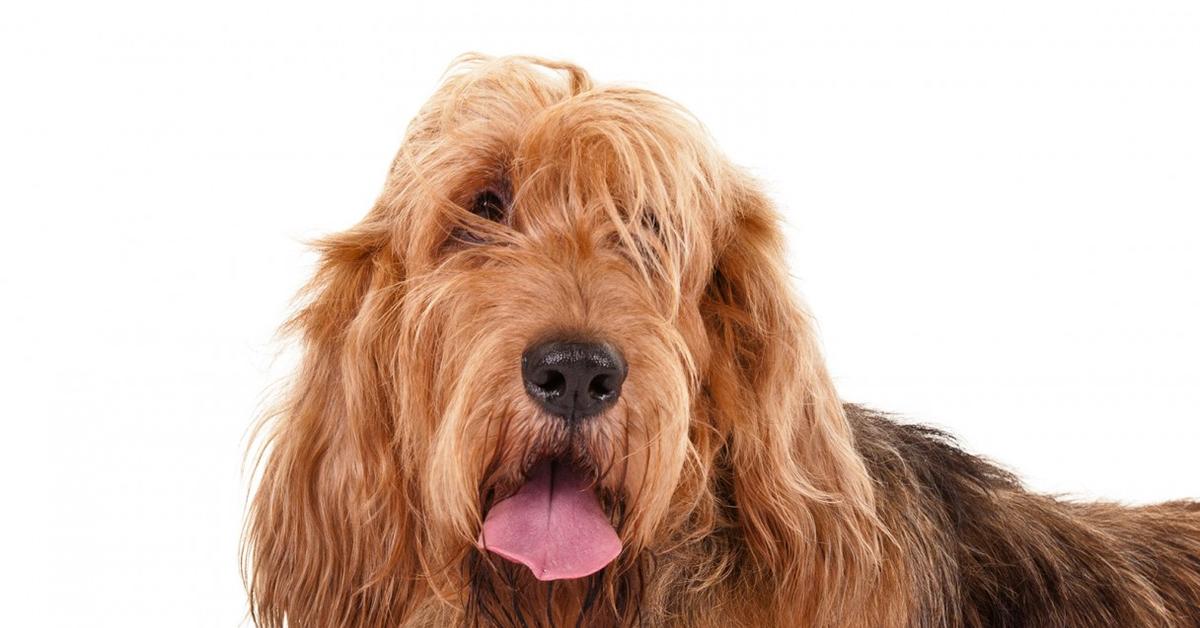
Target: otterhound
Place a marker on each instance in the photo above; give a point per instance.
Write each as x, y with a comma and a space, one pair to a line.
558, 376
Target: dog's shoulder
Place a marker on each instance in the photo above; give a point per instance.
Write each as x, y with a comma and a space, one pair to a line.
910, 453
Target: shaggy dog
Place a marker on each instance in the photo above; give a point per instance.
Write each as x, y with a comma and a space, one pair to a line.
558, 376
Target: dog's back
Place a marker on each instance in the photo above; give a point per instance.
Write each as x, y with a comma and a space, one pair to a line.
989, 553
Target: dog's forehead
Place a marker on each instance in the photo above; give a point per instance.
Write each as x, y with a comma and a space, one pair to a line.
610, 149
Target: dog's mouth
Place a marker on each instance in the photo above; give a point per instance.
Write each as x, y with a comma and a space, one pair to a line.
553, 524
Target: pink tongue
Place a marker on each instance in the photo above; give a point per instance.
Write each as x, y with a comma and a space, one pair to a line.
554, 525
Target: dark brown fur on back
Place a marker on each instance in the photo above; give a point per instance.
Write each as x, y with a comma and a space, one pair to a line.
982, 551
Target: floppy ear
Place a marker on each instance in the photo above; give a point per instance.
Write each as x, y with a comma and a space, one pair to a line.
330, 522
802, 497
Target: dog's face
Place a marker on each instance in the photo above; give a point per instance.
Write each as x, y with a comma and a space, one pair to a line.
561, 287
551, 305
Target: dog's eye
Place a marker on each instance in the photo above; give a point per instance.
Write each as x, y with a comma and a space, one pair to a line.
650, 222
489, 205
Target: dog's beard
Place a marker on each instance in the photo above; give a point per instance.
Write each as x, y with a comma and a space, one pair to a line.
623, 467
520, 455
554, 524
550, 544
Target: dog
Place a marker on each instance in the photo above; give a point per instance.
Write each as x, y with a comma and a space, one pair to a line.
558, 376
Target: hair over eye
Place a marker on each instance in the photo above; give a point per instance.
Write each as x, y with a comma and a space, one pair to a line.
489, 206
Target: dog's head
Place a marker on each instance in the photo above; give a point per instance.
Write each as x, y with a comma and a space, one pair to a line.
564, 335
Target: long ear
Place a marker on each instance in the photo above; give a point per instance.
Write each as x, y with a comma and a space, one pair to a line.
803, 499
325, 528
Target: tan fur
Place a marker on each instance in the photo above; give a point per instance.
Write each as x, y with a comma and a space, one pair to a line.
744, 492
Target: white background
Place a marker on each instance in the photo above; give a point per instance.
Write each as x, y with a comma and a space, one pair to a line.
991, 208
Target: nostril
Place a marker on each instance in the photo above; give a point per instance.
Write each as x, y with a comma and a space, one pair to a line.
550, 382
601, 387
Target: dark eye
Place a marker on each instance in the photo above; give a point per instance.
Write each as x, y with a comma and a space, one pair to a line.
650, 222
489, 205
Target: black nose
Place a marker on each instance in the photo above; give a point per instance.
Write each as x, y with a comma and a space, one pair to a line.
573, 380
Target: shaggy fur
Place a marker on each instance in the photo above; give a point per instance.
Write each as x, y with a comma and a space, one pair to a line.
744, 492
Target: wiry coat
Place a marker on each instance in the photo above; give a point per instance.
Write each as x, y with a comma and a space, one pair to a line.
743, 492
982, 551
